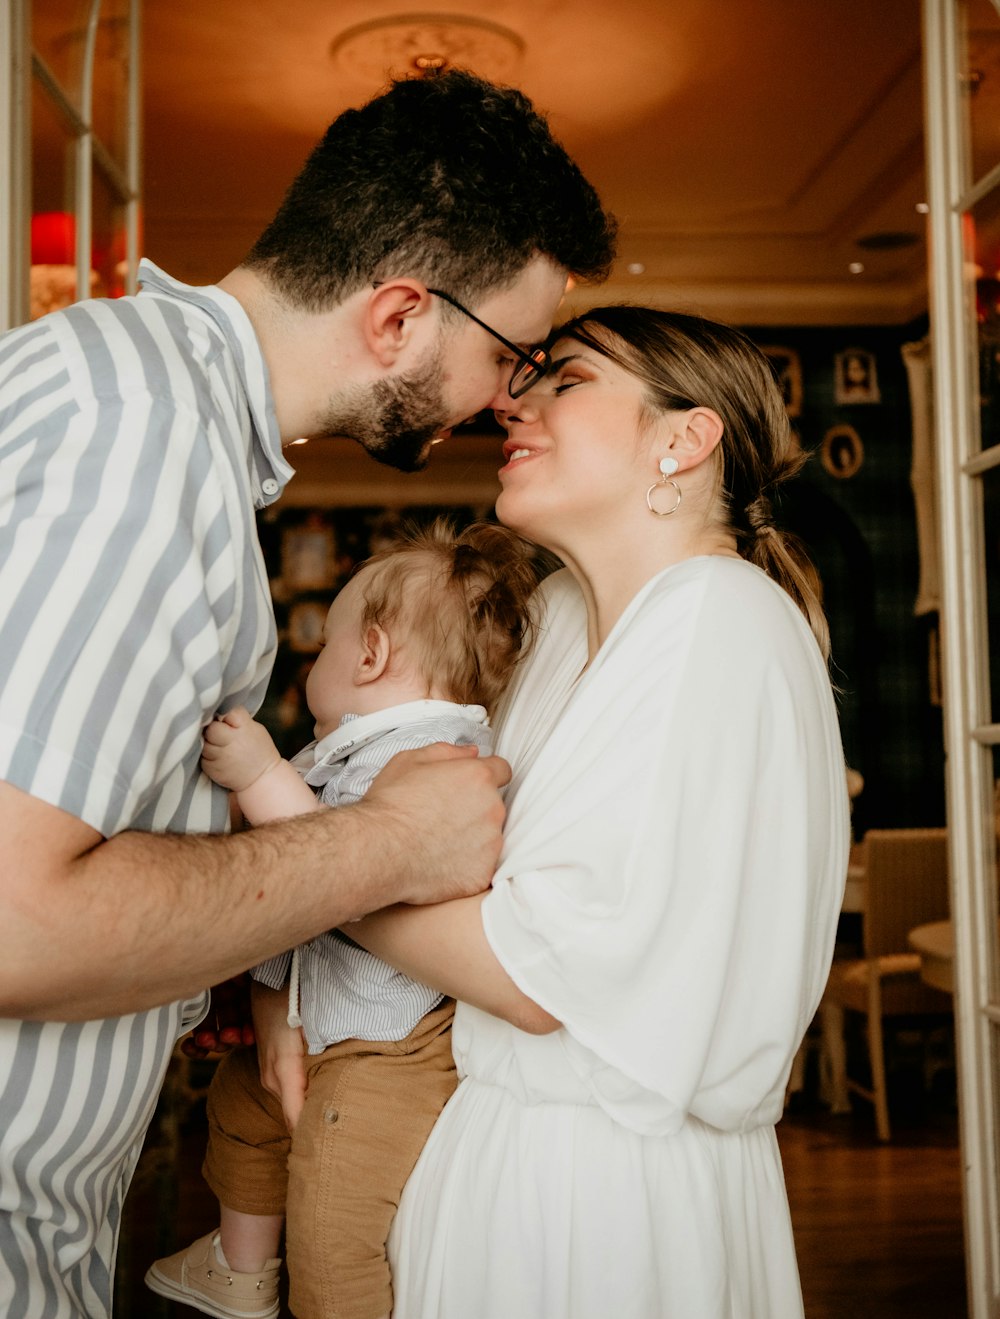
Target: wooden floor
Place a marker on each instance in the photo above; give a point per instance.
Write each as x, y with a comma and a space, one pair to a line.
877, 1227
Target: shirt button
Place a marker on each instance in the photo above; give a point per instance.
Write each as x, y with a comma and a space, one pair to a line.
270, 486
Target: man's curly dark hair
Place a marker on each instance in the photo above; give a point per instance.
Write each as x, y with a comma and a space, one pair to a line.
451, 180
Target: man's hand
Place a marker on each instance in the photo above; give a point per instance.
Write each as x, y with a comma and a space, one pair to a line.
237, 751
439, 812
280, 1051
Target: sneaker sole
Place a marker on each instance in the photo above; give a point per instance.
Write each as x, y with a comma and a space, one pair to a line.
156, 1282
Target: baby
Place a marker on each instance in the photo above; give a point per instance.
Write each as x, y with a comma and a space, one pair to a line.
417, 648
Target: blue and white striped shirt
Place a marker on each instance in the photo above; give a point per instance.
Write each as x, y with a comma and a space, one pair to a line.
137, 437
344, 991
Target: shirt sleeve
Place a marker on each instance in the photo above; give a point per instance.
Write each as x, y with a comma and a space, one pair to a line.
118, 606
273, 972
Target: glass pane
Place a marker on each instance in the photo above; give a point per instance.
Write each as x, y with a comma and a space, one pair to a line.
989, 485
983, 265
982, 83
58, 34
993, 847
53, 222
111, 70
108, 240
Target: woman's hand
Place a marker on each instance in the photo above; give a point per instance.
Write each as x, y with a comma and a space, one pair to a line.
280, 1051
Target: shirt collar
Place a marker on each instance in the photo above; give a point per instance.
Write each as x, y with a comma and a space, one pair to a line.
269, 472
356, 731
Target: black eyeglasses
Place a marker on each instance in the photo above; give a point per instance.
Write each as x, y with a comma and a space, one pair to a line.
533, 365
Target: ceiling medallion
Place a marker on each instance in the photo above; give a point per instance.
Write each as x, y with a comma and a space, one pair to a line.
409, 45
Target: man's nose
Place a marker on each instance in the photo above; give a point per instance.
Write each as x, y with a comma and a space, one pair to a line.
501, 402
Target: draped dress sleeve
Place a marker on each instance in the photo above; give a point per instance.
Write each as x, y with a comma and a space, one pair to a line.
676, 843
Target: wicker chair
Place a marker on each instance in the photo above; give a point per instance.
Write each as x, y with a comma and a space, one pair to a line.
906, 884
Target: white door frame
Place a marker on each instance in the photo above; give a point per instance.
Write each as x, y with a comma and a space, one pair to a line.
15, 147
969, 735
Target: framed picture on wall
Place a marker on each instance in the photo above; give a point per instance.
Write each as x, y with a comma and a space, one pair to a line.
308, 556
842, 452
855, 377
788, 371
305, 626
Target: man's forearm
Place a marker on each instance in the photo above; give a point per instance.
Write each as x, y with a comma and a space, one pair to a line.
92, 927
144, 919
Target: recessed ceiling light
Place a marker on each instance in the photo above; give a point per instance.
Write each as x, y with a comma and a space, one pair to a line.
636, 268
856, 267
922, 207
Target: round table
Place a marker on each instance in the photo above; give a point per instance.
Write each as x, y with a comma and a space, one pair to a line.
936, 945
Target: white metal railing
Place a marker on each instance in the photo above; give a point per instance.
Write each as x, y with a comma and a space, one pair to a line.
21, 67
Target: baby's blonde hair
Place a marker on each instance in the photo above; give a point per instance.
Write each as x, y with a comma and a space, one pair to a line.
462, 602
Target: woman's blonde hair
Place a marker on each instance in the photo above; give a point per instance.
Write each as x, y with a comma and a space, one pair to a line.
462, 603
686, 362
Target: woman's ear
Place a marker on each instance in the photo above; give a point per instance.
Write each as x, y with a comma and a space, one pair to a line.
395, 313
694, 436
374, 657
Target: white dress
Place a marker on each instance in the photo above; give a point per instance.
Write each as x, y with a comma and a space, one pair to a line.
669, 889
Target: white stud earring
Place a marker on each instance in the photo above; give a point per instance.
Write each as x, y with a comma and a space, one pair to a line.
668, 466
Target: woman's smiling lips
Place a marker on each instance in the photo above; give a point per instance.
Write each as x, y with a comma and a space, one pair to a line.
515, 453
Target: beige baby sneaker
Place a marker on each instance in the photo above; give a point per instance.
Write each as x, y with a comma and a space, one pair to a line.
196, 1277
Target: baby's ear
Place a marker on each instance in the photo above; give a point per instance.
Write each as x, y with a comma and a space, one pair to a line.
374, 655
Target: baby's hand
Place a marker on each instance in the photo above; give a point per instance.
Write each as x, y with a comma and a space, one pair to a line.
237, 751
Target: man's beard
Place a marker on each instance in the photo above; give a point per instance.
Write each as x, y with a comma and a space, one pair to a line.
394, 419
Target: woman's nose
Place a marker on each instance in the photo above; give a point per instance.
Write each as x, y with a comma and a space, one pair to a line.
513, 411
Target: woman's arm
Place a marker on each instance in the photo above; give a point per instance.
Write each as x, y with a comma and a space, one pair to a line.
445, 946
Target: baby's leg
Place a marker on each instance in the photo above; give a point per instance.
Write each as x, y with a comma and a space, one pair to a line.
235, 1271
245, 1163
248, 1241
369, 1110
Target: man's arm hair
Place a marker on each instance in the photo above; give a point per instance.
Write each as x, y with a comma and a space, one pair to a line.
93, 927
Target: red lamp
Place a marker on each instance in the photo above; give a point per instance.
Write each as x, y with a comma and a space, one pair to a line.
53, 239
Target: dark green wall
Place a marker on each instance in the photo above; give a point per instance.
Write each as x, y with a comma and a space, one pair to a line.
861, 532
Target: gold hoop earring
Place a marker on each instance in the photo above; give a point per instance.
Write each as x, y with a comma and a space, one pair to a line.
661, 484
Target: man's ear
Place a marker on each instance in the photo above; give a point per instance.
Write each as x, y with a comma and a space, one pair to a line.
374, 658
694, 436
396, 313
